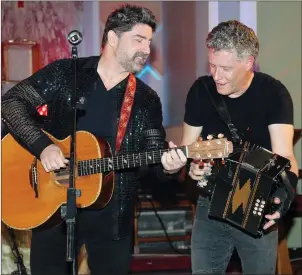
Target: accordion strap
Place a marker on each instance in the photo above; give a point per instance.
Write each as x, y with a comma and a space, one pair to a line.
220, 106
289, 188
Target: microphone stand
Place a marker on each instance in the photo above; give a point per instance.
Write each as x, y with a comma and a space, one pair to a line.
74, 38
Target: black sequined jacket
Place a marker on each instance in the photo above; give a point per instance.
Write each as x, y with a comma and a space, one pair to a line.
52, 86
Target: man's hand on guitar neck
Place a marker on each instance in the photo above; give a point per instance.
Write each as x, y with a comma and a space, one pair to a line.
201, 169
173, 160
52, 158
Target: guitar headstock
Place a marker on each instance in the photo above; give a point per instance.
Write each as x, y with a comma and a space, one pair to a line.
210, 149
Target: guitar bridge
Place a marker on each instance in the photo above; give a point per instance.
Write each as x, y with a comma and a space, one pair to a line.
33, 177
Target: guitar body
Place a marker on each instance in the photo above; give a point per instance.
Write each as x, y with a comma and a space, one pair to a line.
32, 198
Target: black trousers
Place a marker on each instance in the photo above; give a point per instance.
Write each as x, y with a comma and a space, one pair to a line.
94, 229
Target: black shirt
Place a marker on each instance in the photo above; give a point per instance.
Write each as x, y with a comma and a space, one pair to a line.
99, 117
100, 113
266, 101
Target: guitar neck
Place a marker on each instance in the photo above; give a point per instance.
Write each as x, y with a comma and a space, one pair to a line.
101, 165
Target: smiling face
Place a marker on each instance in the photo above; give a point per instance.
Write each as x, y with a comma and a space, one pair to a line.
132, 48
228, 71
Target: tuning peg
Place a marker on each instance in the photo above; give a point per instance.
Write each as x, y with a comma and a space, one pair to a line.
210, 137
220, 135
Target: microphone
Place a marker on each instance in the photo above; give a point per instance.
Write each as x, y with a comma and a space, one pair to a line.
75, 37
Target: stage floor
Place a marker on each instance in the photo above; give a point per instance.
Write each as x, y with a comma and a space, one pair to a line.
156, 265
161, 273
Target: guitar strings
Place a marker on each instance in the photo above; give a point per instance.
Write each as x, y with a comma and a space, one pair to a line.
111, 163
116, 162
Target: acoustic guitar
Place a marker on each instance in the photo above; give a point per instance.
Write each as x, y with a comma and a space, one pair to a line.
32, 198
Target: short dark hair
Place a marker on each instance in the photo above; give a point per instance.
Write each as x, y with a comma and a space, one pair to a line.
125, 18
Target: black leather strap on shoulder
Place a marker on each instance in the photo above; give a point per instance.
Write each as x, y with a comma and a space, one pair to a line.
220, 105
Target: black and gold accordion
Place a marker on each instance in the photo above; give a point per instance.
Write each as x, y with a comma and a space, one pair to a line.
242, 188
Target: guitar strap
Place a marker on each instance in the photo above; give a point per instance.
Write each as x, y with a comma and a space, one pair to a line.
125, 111
220, 106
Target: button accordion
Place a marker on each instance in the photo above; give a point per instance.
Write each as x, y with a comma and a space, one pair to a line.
241, 189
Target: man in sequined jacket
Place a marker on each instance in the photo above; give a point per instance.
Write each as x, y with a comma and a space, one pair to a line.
103, 81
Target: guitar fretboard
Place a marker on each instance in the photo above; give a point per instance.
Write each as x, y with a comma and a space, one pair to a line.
101, 165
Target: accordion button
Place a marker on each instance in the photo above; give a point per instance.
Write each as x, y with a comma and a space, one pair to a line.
259, 213
254, 212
